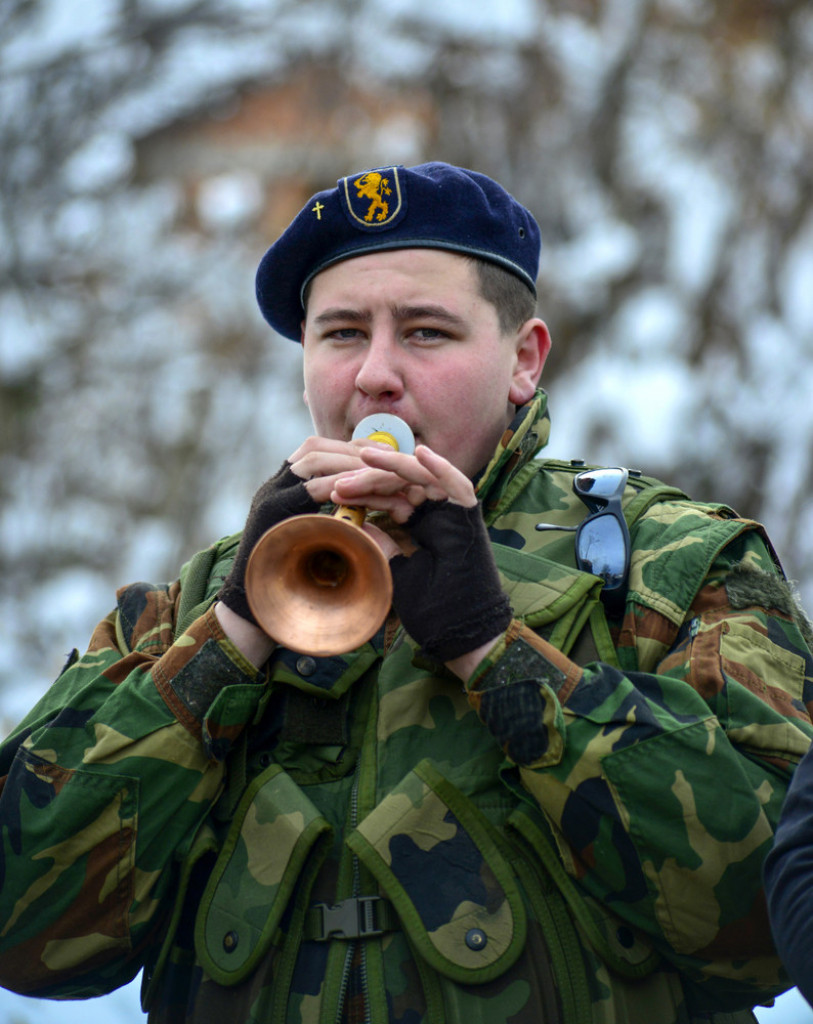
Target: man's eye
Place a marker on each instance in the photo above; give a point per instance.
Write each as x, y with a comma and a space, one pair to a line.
429, 334
344, 334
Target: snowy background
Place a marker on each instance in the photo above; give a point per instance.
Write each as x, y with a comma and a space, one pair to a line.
150, 150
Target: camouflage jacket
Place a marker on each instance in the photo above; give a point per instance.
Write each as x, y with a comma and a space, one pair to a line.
364, 838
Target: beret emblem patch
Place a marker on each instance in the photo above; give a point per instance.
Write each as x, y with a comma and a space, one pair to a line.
374, 199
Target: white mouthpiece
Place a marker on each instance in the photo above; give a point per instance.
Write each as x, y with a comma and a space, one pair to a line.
386, 423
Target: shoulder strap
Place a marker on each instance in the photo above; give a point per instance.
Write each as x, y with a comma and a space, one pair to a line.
648, 488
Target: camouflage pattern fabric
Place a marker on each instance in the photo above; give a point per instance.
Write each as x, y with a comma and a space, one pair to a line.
575, 836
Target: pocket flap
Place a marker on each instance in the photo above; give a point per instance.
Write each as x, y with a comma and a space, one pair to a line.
276, 837
435, 857
550, 597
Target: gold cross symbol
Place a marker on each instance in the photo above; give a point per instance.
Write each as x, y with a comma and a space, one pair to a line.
318, 210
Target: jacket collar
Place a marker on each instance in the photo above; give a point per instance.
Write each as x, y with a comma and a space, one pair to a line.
527, 434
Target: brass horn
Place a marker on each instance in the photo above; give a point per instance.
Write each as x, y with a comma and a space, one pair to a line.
319, 584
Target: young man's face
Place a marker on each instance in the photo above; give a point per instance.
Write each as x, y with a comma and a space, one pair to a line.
408, 332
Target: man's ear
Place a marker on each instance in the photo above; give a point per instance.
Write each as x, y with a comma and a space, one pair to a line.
532, 348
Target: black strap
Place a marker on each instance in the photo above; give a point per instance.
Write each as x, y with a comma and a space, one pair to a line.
359, 917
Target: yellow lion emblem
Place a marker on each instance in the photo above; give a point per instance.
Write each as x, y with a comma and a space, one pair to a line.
374, 186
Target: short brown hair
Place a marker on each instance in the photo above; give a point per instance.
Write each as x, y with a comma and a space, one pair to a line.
513, 299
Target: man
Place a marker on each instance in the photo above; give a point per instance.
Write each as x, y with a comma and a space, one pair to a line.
541, 792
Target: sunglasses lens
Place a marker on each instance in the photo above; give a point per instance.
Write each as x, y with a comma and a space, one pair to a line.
601, 549
601, 483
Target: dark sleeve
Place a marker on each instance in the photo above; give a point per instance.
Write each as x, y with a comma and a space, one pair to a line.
789, 880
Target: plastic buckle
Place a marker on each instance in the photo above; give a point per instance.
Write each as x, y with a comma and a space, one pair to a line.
353, 918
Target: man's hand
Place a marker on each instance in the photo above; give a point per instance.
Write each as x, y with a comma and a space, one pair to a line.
284, 495
396, 483
301, 485
447, 592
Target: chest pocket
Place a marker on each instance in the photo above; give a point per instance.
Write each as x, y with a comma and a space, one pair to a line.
557, 601
441, 867
276, 842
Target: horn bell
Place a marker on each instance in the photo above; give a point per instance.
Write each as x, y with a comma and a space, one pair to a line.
318, 585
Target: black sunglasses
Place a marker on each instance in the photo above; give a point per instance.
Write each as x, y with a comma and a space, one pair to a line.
602, 539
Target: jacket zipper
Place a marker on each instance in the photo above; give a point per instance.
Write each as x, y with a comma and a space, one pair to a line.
351, 946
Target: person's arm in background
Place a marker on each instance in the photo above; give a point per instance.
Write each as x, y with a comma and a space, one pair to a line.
789, 880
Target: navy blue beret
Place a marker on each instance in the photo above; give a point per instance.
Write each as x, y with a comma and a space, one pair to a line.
433, 205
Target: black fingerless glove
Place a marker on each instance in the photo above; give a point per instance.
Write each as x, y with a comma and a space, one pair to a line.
281, 497
448, 593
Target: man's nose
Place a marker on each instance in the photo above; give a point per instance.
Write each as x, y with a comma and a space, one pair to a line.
380, 371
